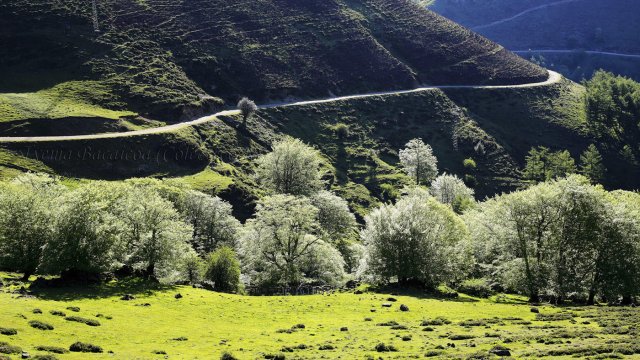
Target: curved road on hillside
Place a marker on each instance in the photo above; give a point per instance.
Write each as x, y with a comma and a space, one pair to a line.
497, 22
554, 77
564, 51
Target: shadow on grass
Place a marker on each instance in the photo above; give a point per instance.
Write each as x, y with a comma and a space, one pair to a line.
138, 287
420, 293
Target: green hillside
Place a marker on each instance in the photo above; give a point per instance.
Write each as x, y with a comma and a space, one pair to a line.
167, 58
172, 61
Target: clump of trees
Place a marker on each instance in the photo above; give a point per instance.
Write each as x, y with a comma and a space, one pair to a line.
300, 233
613, 107
146, 225
560, 239
542, 164
417, 239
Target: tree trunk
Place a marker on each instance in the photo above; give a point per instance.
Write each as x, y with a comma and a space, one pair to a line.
534, 297
26, 276
151, 269
627, 300
592, 297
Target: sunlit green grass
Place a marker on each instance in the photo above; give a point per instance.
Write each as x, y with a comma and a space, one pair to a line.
72, 99
252, 327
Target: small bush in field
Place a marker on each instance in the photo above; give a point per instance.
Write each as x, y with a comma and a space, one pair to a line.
85, 347
79, 319
40, 325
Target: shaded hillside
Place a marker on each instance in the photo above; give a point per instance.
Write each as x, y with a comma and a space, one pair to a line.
610, 26
164, 57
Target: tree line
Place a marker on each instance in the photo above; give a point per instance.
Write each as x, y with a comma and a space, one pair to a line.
563, 238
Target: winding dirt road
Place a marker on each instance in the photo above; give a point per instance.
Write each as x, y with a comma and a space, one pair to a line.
565, 51
501, 21
554, 77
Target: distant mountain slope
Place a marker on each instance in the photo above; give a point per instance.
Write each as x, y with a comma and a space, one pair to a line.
163, 56
597, 25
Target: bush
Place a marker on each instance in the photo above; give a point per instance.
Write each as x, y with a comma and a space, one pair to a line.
6, 348
223, 269
470, 180
79, 319
8, 331
435, 322
44, 357
53, 349
73, 308
381, 347
85, 347
469, 164
341, 130
40, 325
227, 356
476, 287
57, 313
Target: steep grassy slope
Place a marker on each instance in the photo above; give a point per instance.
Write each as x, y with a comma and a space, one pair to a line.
204, 325
164, 56
361, 165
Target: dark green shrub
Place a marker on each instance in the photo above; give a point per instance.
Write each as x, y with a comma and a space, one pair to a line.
36, 311
227, 356
476, 287
57, 313
326, 347
73, 308
53, 349
223, 269
8, 331
388, 323
381, 347
85, 347
79, 319
275, 356
159, 352
435, 322
44, 357
470, 180
461, 337
341, 130
554, 317
6, 348
40, 325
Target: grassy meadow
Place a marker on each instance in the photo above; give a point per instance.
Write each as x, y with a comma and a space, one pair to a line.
204, 325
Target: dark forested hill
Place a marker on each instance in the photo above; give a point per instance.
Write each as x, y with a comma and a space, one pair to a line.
160, 55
